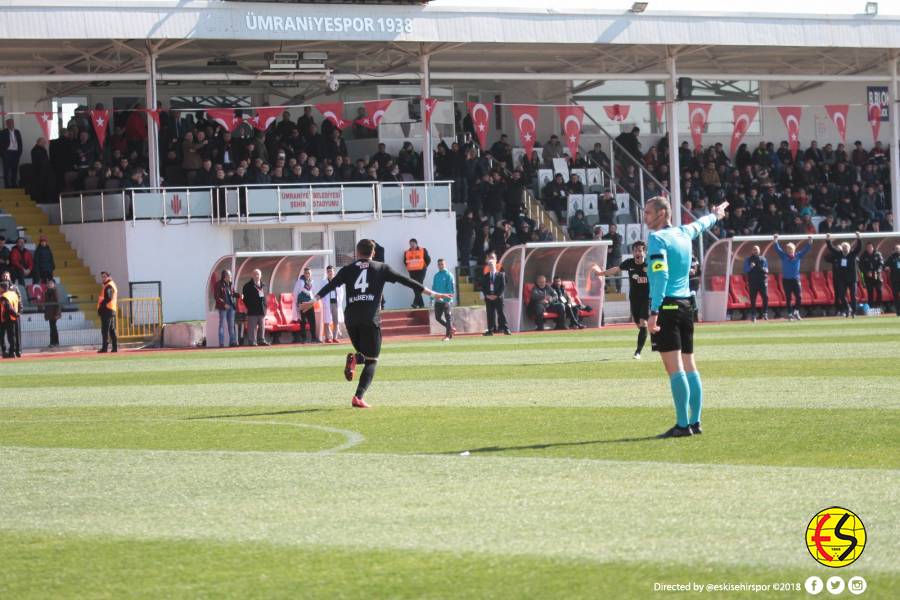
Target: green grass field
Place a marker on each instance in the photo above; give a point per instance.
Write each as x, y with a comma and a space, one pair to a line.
245, 474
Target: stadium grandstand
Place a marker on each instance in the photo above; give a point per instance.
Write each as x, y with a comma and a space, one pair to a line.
215, 127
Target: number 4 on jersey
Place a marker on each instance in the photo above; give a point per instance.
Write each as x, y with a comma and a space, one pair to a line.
362, 282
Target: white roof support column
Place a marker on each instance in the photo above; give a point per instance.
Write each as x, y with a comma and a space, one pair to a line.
152, 129
427, 149
895, 137
672, 130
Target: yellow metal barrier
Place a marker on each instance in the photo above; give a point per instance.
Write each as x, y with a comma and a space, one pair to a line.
138, 318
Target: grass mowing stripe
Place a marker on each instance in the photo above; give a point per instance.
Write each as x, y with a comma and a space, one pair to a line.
588, 369
111, 567
879, 391
773, 436
596, 510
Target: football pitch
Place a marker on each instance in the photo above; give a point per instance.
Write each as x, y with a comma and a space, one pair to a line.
504, 467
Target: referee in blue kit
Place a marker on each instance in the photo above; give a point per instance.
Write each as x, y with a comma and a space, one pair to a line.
671, 322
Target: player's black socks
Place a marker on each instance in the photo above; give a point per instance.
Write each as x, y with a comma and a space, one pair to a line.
365, 379
642, 338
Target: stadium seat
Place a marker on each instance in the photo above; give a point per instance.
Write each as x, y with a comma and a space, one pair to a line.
821, 287
739, 297
886, 292
861, 294
809, 296
777, 298
287, 311
572, 291
717, 283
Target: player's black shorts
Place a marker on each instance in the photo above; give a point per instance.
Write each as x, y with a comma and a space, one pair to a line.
640, 308
676, 327
366, 339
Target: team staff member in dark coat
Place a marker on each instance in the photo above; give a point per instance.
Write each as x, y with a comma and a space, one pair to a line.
493, 284
843, 266
871, 263
614, 251
756, 268
44, 265
545, 299
254, 294
893, 263
416, 260
107, 308
52, 311
364, 282
43, 180
566, 302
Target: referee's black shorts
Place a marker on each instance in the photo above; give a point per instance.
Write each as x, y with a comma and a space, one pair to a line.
676, 327
640, 308
366, 339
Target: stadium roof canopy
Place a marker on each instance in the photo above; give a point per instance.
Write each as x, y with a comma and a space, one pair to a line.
60, 40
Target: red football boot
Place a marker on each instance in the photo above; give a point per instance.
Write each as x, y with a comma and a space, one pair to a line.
359, 403
350, 366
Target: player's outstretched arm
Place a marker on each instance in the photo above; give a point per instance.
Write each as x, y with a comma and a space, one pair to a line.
610, 271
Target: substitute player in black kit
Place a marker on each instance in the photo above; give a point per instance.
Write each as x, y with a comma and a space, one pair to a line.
364, 282
638, 290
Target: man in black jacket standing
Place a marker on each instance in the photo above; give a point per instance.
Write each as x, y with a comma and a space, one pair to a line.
254, 293
871, 263
893, 263
11, 151
493, 284
843, 265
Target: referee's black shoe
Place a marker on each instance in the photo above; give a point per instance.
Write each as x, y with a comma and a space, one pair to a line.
695, 428
676, 432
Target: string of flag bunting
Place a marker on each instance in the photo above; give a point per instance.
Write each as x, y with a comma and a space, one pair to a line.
571, 118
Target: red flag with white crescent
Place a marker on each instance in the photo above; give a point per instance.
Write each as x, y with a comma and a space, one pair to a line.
375, 110
838, 114
265, 116
698, 114
153, 113
334, 112
571, 118
428, 106
224, 117
744, 116
525, 116
100, 121
875, 119
657, 108
481, 118
44, 119
617, 112
791, 117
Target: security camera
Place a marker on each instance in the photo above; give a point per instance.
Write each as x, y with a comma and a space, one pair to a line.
332, 83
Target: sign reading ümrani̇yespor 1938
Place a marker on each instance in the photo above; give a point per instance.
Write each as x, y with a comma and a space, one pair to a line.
279, 23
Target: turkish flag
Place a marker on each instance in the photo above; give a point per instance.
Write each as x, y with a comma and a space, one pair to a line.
838, 114
698, 114
571, 118
100, 121
153, 113
525, 116
875, 119
481, 118
658, 108
44, 119
743, 118
617, 112
333, 111
224, 117
375, 110
428, 106
265, 116
791, 117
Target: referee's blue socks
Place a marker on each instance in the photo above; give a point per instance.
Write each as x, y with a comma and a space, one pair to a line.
681, 393
696, 400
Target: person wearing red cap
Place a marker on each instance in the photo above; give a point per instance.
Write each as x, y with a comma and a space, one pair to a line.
43, 262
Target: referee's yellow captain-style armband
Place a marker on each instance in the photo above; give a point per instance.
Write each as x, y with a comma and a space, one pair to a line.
658, 265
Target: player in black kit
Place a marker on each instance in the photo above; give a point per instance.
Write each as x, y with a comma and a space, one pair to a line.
638, 290
364, 283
